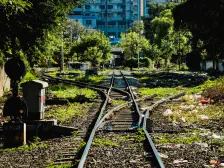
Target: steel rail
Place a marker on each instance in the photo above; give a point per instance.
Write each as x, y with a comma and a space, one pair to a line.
88, 145
134, 101
86, 84
146, 114
118, 107
155, 152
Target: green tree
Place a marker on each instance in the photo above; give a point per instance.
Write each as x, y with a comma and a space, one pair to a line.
90, 40
31, 24
137, 27
94, 55
168, 40
205, 23
154, 11
155, 54
132, 43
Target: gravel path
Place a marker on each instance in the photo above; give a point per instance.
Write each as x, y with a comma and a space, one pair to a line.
43, 154
121, 150
196, 148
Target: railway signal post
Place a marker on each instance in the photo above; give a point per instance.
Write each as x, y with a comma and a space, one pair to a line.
15, 106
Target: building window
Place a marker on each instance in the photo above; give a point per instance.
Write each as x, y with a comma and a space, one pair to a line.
110, 7
113, 34
102, 6
123, 6
119, 34
77, 13
87, 6
111, 23
87, 14
88, 22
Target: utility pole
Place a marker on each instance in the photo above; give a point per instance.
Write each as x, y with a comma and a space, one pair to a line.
138, 27
179, 51
106, 20
62, 53
71, 36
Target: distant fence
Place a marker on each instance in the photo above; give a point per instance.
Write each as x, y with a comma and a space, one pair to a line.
4, 81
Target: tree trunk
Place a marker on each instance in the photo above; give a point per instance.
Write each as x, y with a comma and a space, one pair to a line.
217, 65
213, 67
203, 65
131, 64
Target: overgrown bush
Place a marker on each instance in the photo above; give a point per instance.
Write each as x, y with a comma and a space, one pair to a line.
184, 68
216, 92
28, 77
146, 62
1, 59
131, 63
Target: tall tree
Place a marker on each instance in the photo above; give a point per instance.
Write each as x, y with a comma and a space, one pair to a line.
167, 39
26, 25
132, 43
93, 41
205, 21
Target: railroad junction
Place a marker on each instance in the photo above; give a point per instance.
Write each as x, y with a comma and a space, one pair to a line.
125, 124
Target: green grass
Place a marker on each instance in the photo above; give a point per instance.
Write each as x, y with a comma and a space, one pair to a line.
104, 142
65, 113
64, 165
28, 77
188, 138
117, 102
213, 112
160, 92
70, 91
94, 79
207, 84
139, 136
29, 147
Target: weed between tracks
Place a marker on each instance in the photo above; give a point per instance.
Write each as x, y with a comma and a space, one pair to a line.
29, 147
64, 114
64, 165
95, 79
160, 92
139, 136
104, 142
70, 91
180, 139
117, 102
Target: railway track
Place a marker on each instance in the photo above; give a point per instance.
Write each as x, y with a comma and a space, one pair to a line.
113, 117
1, 136
123, 118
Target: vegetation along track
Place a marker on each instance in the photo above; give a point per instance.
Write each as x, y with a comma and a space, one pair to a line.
68, 154
118, 141
121, 118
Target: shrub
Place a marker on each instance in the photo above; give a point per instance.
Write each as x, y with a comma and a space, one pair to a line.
1, 59
131, 62
28, 77
146, 62
216, 92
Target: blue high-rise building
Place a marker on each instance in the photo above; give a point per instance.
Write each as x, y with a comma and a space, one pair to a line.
110, 16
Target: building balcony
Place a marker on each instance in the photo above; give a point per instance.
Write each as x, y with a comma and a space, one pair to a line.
115, 18
75, 17
89, 17
116, 2
77, 10
121, 26
115, 10
100, 26
95, 10
111, 26
97, 1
